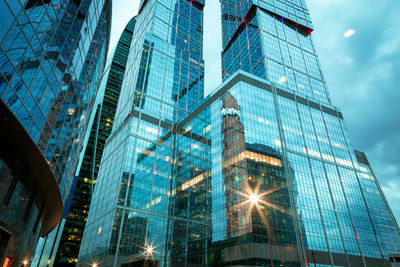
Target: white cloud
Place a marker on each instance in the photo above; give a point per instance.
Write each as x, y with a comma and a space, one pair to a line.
391, 43
391, 190
348, 60
349, 33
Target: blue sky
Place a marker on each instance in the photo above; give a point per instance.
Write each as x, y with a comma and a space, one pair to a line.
362, 72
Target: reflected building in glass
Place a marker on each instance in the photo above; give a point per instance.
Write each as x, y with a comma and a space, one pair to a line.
297, 208
52, 54
250, 192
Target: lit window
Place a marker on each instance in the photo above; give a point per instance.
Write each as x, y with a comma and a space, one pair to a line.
207, 129
151, 130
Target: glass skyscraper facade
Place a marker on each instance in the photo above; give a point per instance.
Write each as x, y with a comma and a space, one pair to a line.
283, 53
386, 226
259, 173
70, 231
311, 209
142, 178
290, 113
52, 54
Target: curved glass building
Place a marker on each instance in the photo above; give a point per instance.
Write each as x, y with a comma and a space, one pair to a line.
52, 56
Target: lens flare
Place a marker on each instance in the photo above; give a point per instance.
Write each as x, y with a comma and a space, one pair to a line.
149, 250
254, 198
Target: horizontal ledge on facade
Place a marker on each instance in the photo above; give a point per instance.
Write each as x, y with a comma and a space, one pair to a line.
241, 76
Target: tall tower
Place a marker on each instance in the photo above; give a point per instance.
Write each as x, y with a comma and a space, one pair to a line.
260, 173
70, 231
142, 209
52, 53
281, 104
386, 226
283, 53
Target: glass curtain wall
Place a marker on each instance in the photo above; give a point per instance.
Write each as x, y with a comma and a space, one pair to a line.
51, 59
385, 223
72, 233
322, 196
144, 175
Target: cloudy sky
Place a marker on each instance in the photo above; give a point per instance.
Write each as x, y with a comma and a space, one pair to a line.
362, 71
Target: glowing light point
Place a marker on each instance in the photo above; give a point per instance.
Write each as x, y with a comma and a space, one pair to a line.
25, 262
149, 250
254, 198
94, 265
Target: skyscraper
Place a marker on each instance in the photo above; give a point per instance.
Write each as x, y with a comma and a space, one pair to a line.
288, 111
136, 189
386, 226
259, 173
70, 230
52, 53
